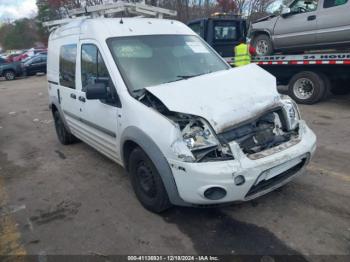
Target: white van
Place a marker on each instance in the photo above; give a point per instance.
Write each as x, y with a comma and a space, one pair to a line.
155, 98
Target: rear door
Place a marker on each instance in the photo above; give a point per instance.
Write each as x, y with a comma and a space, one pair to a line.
34, 65
297, 28
99, 119
333, 22
38, 65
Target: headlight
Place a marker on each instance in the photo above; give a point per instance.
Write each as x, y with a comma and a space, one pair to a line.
201, 141
291, 111
198, 135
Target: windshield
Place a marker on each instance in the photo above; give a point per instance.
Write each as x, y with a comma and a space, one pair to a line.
275, 7
156, 59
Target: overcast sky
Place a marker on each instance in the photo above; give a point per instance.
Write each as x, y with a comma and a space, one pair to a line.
15, 9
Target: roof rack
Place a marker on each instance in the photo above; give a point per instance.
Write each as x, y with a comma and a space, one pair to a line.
138, 9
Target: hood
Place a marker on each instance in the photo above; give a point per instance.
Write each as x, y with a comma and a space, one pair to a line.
224, 98
265, 18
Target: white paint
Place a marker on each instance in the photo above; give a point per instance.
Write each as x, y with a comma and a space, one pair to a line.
223, 98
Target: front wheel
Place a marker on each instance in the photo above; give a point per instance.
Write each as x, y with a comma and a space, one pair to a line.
10, 75
147, 183
307, 87
263, 45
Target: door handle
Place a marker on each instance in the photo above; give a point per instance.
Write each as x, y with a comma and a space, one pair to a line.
311, 17
73, 96
82, 99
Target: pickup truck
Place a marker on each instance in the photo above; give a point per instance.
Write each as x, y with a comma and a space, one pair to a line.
10, 70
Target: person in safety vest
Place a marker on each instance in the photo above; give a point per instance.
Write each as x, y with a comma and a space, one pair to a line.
243, 53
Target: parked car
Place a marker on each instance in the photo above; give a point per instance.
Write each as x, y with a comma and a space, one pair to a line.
303, 25
190, 130
10, 70
2, 61
34, 65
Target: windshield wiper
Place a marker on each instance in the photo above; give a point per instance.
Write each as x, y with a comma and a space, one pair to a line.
185, 77
138, 93
191, 76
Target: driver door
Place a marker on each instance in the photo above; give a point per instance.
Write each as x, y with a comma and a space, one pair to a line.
99, 119
299, 28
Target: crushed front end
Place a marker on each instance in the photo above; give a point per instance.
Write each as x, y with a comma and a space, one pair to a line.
244, 161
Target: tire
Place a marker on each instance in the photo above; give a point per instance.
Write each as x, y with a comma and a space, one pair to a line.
147, 183
263, 45
307, 88
9, 75
328, 86
63, 135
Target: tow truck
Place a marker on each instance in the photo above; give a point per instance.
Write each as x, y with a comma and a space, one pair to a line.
221, 31
310, 77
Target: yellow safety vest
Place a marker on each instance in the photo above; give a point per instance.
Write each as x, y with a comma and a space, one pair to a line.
242, 55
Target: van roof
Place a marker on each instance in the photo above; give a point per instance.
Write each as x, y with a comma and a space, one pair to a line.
103, 28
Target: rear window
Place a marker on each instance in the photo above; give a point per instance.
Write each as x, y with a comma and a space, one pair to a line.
225, 31
332, 3
68, 55
197, 28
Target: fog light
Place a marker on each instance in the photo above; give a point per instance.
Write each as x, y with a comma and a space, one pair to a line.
239, 180
215, 193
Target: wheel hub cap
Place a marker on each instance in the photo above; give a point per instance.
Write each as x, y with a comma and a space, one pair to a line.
261, 47
146, 180
303, 88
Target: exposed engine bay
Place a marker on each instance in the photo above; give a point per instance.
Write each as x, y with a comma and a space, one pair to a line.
265, 132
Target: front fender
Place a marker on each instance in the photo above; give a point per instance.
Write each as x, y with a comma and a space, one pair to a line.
137, 136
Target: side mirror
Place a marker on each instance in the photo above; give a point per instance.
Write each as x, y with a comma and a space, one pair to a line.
285, 11
97, 91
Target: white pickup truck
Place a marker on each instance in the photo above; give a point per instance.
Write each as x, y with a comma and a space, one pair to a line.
189, 129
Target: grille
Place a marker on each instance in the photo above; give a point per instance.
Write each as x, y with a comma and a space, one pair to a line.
267, 184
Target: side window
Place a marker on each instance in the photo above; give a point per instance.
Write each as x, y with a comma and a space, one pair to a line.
304, 6
93, 68
68, 54
332, 3
225, 31
36, 60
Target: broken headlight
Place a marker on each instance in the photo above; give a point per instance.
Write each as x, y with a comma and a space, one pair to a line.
198, 136
201, 140
291, 112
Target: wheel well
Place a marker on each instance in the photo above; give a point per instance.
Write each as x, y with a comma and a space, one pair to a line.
256, 33
9, 70
128, 147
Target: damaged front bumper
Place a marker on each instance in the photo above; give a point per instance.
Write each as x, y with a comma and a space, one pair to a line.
243, 178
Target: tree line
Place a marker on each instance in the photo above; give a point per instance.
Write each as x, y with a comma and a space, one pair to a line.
25, 33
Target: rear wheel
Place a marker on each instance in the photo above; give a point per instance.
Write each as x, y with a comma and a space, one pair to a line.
10, 75
263, 45
328, 86
147, 183
63, 135
307, 87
